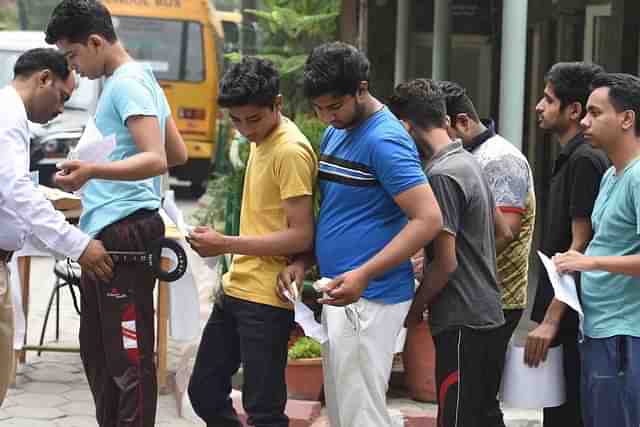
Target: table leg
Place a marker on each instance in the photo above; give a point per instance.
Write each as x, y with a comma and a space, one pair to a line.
24, 269
162, 329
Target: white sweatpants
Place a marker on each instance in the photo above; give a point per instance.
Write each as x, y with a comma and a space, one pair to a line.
357, 361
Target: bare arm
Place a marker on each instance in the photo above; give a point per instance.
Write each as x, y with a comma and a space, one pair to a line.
175, 146
149, 162
425, 222
504, 234
296, 238
539, 340
575, 261
513, 221
436, 277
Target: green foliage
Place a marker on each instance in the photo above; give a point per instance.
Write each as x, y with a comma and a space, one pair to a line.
290, 30
9, 18
35, 13
224, 192
305, 348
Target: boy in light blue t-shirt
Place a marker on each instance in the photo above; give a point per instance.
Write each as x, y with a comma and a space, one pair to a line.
610, 267
120, 207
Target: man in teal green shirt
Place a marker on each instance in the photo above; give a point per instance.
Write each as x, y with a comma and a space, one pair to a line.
610, 267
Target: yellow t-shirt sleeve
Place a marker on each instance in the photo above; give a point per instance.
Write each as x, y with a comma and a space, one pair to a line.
295, 169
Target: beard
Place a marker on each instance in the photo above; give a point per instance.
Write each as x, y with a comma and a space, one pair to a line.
358, 116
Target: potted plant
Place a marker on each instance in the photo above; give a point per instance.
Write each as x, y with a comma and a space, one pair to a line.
418, 359
304, 368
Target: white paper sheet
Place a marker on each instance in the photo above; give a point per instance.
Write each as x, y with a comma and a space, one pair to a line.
305, 318
93, 146
564, 288
530, 388
184, 313
174, 213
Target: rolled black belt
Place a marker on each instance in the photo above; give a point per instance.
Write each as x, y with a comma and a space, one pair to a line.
5, 256
151, 258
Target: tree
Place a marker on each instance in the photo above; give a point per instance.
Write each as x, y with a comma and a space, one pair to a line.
8, 18
34, 14
289, 30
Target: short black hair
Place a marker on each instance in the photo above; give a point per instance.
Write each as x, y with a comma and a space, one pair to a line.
419, 101
76, 20
39, 59
252, 81
457, 100
624, 93
335, 69
571, 82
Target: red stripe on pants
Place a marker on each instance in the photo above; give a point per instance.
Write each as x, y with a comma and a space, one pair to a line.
452, 379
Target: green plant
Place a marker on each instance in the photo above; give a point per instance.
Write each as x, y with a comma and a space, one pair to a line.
9, 18
305, 348
224, 192
289, 31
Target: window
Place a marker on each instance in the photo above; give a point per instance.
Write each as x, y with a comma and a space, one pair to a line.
173, 49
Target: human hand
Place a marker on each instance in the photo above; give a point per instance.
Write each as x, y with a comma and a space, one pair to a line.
538, 342
573, 261
290, 277
73, 174
207, 242
96, 262
345, 289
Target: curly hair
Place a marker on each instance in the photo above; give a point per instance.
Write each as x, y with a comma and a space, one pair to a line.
39, 59
334, 69
457, 100
252, 81
76, 20
419, 101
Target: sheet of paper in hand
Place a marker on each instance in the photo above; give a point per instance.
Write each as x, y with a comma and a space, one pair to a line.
304, 316
564, 288
93, 146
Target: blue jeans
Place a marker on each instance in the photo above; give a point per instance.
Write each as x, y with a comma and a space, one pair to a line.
610, 381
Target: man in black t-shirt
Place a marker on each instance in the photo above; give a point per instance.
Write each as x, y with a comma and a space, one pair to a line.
573, 189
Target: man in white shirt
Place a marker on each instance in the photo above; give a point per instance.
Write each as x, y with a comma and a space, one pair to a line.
43, 83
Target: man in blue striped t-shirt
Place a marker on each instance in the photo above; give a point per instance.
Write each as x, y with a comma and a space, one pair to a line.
377, 210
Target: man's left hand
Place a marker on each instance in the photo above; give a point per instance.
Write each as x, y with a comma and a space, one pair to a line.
346, 288
73, 174
573, 261
207, 242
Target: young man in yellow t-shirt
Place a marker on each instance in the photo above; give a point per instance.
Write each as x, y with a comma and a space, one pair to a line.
251, 325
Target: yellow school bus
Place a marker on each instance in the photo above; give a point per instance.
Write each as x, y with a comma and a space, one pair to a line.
181, 41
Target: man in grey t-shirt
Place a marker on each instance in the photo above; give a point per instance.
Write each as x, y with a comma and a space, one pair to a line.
471, 297
459, 286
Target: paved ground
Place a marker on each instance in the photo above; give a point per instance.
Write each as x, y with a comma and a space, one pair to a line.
51, 389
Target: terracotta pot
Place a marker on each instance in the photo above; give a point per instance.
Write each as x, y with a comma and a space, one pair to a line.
419, 360
304, 379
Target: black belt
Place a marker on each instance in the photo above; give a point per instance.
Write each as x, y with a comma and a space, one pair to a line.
5, 256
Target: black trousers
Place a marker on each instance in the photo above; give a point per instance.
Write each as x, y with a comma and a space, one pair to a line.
255, 335
464, 384
117, 330
494, 416
569, 414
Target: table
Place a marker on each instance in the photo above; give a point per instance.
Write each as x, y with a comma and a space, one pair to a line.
162, 314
